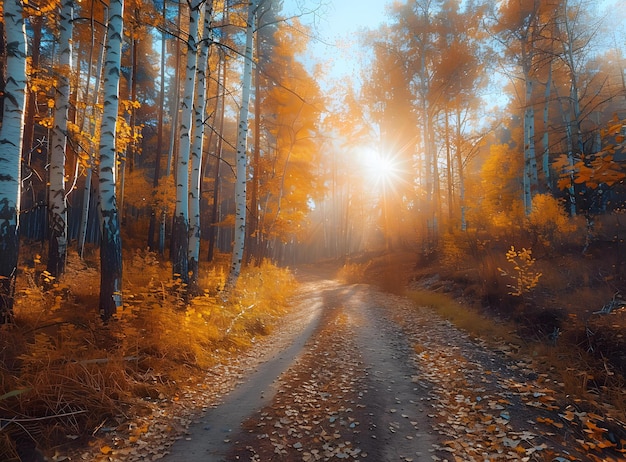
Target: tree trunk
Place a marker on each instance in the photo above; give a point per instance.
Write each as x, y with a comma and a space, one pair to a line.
31, 100
11, 139
111, 241
242, 157
529, 141
57, 203
461, 172
91, 129
546, 127
198, 147
159, 148
218, 161
180, 232
253, 232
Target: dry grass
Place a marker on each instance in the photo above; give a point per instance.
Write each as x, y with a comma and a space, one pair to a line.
63, 372
467, 319
353, 273
602, 387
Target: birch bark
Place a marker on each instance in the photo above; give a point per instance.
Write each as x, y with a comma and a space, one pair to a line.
57, 203
242, 157
111, 240
198, 144
11, 139
180, 232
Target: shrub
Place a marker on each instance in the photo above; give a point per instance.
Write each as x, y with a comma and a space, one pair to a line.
524, 276
548, 223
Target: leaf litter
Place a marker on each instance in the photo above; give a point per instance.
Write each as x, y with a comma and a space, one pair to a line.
481, 404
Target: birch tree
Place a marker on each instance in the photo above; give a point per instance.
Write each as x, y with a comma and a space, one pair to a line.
242, 156
180, 232
520, 26
111, 240
57, 203
11, 138
198, 144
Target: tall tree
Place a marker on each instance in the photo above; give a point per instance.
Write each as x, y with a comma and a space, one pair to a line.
11, 139
286, 171
242, 149
57, 203
180, 232
111, 239
197, 147
522, 27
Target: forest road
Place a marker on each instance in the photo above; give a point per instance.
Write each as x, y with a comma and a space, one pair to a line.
366, 375
344, 388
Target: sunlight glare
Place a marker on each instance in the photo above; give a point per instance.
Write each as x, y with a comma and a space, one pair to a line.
382, 169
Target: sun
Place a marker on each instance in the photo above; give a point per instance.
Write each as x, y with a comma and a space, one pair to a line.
382, 169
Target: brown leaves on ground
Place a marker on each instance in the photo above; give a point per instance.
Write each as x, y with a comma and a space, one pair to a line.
318, 412
490, 407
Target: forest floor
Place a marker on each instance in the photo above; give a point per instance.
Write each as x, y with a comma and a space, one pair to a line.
359, 374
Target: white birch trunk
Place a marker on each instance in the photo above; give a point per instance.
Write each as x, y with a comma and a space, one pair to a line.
180, 233
198, 144
242, 157
111, 241
11, 140
57, 204
546, 128
530, 160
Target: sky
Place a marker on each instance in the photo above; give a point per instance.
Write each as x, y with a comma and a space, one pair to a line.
335, 23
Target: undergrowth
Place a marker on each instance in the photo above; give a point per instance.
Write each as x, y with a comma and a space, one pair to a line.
64, 374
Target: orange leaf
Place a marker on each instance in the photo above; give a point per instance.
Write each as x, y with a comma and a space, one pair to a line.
106, 450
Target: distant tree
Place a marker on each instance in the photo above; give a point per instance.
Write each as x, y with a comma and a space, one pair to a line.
286, 171
520, 26
11, 139
111, 240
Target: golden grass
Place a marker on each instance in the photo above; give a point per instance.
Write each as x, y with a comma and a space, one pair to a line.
465, 318
353, 273
61, 364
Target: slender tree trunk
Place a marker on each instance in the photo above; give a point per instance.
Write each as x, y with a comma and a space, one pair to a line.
84, 219
159, 149
221, 91
128, 158
11, 140
567, 121
529, 140
253, 232
545, 164
57, 203
175, 100
111, 240
242, 156
449, 173
31, 106
461, 172
197, 147
82, 230
180, 232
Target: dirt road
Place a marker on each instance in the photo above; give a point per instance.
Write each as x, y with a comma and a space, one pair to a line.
344, 389
362, 375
